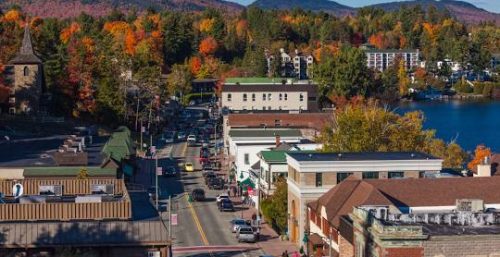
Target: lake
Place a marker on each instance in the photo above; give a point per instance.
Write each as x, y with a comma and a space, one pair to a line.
469, 122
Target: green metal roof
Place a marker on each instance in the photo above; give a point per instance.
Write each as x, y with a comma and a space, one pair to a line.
119, 145
279, 156
264, 133
255, 80
67, 171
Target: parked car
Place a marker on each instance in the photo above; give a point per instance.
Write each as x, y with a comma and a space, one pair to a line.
209, 177
246, 234
236, 223
222, 197
181, 135
188, 167
169, 137
191, 140
216, 184
198, 195
226, 205
170, 171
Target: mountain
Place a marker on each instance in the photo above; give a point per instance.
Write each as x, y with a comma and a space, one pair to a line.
463, 11
312, 5
71, 8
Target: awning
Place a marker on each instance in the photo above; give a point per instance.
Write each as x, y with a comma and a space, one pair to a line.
247, 182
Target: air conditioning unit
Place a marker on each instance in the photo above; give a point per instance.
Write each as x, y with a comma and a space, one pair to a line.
50, 190
154, 254
98, 189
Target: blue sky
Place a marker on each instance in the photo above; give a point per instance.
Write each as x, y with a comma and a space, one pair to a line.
490, 5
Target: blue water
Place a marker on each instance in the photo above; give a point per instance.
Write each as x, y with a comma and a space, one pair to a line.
468, 122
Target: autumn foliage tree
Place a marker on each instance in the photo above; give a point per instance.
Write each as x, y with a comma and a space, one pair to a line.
208, 46
479, 154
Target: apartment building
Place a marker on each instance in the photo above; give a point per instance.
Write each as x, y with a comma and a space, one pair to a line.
407, 217
42, 216
382, 59
263, 94
310, 175
297, 65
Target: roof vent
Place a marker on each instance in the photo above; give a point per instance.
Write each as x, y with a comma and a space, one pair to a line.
310, 156
412, 155
339, 155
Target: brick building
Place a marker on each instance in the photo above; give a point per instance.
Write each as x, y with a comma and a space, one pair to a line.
408, 217
310, 175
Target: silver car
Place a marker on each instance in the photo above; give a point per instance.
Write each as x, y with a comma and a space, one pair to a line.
236, 223
246, 234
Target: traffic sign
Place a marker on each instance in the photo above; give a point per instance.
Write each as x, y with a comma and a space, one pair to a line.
159, 171
173, 219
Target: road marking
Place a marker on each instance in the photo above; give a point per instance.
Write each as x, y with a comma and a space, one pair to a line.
184, 150
197, 222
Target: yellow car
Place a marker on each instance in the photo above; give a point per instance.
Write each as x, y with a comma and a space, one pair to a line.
188, 167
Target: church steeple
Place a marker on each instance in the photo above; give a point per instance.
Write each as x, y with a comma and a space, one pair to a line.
26, 54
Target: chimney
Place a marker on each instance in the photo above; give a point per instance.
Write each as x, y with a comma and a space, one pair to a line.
484, 168
278, 140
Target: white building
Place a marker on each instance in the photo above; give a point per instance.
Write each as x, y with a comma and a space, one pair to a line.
263, 94
382, 59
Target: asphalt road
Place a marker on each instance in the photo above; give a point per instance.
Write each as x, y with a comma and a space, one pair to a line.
201, 227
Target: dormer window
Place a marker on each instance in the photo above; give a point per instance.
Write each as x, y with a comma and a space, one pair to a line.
26, 71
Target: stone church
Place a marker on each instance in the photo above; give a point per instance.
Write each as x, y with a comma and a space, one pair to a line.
25, 74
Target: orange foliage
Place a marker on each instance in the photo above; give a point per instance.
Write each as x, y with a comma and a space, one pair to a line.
12, 16
403, 42
130, 42
378, 40
299, 19
208, 46
479, 154
88, 43
116, 28
241, 28
206, 25
341, 102
68, 32
156, 34
195, 65
420, 73
155, 18
35, 22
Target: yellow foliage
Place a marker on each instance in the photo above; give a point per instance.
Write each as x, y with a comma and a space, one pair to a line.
206, 25
88, 43
12, 16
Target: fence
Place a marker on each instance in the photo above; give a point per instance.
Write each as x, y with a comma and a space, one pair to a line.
69, 186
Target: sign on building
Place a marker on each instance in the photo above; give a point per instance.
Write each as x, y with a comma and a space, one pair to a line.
173, 219
470, 205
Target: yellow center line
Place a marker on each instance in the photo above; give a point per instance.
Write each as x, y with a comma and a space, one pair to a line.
197, 222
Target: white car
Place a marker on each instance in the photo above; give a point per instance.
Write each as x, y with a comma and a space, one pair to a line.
222, 196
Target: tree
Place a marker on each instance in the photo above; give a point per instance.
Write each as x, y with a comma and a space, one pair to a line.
208, 46
403, 80
179, 80
275, 208
82, 174
369, 128
344, 74
479, 155
255, 61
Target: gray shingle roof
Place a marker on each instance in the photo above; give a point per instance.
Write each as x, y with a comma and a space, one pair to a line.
26, 54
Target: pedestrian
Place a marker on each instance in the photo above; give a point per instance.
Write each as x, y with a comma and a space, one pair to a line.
284, 254
228, 192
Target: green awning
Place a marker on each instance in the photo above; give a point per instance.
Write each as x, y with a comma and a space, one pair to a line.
247, 182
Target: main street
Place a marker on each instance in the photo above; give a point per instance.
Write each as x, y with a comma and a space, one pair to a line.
202, 229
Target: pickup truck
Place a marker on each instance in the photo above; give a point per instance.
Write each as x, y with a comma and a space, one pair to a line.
246, 234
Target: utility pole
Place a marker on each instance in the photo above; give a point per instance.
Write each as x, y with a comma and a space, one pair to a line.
156, 176
137, 113
170, 217
141, 135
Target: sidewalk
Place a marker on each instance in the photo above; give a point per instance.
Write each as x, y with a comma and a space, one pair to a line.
269, 241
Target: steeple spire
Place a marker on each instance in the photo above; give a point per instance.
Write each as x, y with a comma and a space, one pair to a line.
27, 45
26, 54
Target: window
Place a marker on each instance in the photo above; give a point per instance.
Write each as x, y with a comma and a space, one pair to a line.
263, 97
253, 97
50, 190
342, 175
229, 96
102, 189
12, 100
26, 71
286, 97
370, 175
319, 179
311, 99
396, 174
247, 159
277, 123
301, 97
244, 97
269, 97
263, 108
269, 108
280, 97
